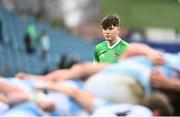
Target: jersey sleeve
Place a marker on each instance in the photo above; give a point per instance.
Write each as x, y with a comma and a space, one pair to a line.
126, 46
96, 58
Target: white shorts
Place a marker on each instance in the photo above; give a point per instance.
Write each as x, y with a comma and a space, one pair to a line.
118, 88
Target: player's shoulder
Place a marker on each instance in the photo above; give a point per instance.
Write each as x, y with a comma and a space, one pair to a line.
124, 43
101, 44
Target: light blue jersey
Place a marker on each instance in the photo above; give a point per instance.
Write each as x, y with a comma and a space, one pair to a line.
65, 106
140, 68
27, 85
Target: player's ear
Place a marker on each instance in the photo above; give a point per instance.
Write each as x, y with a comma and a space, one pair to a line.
118, 28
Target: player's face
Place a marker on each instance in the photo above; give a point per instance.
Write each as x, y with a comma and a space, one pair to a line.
111, 33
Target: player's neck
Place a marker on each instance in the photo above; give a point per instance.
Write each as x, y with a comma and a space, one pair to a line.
114, 42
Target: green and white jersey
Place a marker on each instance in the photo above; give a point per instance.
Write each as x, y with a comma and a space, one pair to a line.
109, 54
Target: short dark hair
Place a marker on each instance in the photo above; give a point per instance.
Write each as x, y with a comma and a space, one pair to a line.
159, 101
110, 20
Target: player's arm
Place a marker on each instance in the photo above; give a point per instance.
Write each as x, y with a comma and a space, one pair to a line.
161, 80
136, 49
22, 75
77, 71
84, 98
14, 94
95, 57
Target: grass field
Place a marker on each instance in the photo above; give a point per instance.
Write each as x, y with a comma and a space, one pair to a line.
144, 13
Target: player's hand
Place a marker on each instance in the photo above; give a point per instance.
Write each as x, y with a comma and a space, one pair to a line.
3, 98
157, 58
57, 75
159, 79
22, 75
47, 106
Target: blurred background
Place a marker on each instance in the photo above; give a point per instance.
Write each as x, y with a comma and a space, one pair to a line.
39, 36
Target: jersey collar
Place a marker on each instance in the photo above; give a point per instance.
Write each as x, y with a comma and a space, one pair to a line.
119, 39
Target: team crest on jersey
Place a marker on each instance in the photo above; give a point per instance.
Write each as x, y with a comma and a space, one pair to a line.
116, 55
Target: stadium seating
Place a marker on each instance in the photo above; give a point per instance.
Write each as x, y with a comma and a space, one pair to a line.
14, 57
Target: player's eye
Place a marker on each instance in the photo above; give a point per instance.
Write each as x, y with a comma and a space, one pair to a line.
110, 28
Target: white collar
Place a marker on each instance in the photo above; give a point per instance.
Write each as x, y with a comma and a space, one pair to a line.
119, 39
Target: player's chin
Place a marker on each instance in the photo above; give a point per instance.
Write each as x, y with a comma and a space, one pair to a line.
108, 39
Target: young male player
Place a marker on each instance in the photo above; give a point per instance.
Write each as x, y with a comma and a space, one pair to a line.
112, 49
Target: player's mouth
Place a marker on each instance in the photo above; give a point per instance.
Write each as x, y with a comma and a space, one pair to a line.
107, 36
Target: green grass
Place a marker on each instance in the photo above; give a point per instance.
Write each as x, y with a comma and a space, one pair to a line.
144, 13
